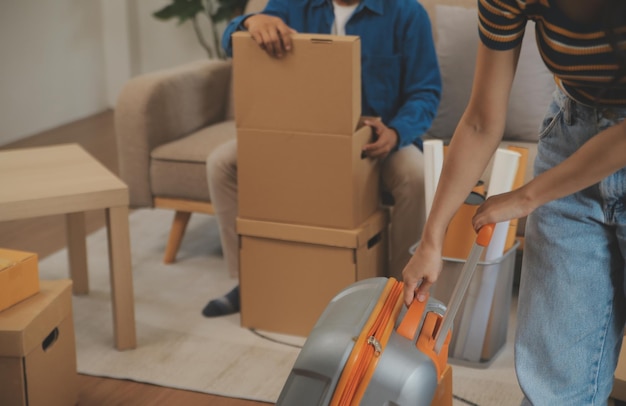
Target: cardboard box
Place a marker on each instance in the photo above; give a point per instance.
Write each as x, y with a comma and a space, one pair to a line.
306, 178
314, 88
19, 276
289, 273
37, 349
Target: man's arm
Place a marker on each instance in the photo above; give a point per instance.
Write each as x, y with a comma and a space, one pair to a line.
421, 89
263, 32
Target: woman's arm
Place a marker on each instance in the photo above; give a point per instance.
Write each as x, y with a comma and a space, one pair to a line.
598, 158
475, 139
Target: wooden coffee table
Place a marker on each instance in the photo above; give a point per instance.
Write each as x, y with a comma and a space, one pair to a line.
65, 179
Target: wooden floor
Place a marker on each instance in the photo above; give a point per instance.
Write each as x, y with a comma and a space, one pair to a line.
46, 235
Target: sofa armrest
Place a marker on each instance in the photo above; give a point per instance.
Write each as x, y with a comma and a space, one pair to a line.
159, 107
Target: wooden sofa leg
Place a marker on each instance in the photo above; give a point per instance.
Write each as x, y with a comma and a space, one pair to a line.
179, 225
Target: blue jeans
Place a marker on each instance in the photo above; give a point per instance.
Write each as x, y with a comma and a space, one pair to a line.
571, 308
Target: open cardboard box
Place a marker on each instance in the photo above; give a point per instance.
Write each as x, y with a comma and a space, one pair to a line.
316, 87
289, 273
299, 134
38, 350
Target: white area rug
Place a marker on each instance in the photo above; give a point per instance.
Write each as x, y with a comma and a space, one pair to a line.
179, 348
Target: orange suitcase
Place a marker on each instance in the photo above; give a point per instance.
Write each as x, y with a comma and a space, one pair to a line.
368, 349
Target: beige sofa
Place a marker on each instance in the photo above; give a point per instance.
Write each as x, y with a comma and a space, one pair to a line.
168, 122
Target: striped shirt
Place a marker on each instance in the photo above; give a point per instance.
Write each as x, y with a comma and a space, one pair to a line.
579, 55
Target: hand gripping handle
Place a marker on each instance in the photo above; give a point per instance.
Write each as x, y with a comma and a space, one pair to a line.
484, 235
413, 316
482, 241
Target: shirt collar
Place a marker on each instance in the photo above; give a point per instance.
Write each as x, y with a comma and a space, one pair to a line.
375, 6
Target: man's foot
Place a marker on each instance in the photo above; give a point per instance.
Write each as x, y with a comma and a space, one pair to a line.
222, 306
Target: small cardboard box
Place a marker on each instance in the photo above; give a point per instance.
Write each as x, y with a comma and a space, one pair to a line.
19, 276
307, 178
289, 273
316, 87
37, 349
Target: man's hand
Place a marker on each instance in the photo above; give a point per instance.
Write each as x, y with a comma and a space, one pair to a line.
386, 140
271, 33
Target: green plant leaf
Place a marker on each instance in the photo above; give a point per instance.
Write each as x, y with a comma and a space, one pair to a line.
182, 9
227, 9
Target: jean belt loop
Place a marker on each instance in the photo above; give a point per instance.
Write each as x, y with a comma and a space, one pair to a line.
568, 111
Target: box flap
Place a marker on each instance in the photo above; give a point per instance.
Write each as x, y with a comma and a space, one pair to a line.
6, 264
315, 235
316, 87
27, 324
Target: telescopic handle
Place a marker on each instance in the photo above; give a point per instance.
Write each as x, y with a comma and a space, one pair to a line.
482, 240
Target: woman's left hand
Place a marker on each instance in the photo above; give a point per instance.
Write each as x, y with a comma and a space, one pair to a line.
503, 207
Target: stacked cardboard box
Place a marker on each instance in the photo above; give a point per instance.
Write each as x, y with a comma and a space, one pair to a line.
310, 222
37, 345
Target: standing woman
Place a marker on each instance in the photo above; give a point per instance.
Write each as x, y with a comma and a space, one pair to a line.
571, 308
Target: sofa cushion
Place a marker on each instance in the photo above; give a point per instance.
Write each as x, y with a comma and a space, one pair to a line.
457, 43
178, 168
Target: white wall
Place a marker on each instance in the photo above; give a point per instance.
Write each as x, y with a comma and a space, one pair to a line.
51, 69
163, 44
63, 60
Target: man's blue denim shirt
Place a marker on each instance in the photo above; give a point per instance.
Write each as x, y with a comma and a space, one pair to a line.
401, 82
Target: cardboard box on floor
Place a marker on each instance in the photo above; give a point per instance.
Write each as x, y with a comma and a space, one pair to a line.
19, 276
316, 87
289, 273
38, 350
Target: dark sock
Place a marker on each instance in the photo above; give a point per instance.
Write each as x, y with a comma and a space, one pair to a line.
222, 306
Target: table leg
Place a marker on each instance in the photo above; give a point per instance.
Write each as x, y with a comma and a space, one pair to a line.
77, 252
122, 296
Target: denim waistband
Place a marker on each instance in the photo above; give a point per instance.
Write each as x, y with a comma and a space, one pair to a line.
573, 109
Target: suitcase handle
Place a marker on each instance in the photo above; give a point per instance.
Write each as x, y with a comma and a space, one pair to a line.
435, 335
482, 241
412, 318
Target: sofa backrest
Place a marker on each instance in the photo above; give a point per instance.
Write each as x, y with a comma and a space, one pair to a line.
254, 6
431, 8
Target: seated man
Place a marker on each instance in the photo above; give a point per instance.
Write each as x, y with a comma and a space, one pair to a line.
401, 85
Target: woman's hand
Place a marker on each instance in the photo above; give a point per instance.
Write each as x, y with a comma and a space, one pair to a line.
421, 272
271, 33
503, 207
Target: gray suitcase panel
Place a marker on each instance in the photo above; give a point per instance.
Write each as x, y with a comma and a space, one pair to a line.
403, 376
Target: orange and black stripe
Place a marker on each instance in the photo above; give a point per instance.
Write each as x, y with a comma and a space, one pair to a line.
579, 55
